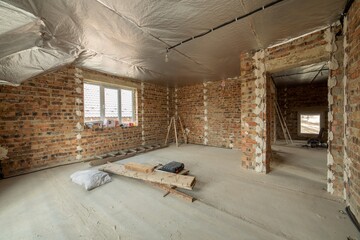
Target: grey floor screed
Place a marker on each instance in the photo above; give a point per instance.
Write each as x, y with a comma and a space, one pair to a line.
233, 203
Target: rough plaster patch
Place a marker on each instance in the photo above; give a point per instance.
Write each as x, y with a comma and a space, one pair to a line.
205, 90
333, 64
78, 90
3, 153
79, 126
259, 72
331, 47
330, 116
332, 82
347, 160
330, 99
142, 113
77, 80
176, 102
330, 159
168, 104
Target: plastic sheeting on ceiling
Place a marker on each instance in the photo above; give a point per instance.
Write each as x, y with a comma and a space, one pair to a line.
313, 73
129, 38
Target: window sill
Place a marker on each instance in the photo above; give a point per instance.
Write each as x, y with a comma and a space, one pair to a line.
100, 125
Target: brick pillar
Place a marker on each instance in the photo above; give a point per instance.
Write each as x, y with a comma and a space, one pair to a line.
336, 111
255, 144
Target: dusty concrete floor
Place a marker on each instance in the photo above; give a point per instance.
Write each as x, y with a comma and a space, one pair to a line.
288, 203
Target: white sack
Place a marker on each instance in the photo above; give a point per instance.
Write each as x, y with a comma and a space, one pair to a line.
90, 179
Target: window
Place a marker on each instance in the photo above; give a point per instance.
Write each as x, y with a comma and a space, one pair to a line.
92, 102
310, 123
103, 102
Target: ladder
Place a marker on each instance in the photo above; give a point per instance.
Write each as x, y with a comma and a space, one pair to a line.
173, 122
283, 125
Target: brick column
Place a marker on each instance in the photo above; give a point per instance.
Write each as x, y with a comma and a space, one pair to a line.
255, 144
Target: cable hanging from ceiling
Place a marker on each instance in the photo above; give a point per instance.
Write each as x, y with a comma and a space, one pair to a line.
225, 24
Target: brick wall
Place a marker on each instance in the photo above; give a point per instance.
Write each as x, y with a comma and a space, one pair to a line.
38, 121
190, 107
336, 125
217, 116
352, 146
41, 122
224, 113
298, 52
295, 99
247, 106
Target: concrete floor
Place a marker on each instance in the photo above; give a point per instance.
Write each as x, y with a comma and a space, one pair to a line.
233, 203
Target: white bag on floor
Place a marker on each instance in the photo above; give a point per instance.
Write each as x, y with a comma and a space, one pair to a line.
90, 179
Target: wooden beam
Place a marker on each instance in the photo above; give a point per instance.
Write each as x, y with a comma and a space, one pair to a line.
138, 167
174, 192
181, 181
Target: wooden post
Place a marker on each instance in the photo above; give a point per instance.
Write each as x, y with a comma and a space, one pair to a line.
169, 127
176, 139
183, 131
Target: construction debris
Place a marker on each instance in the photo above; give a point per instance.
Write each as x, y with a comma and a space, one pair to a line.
172, 179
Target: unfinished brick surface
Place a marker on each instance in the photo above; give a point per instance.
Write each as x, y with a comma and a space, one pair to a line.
41, 122
38, 121
302, 98
248, 124
217, 118
352, 121
190, 106
336, 113
298, 52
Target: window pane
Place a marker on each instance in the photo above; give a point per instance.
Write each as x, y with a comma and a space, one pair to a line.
91, 102
310, 123
111, 103
126, 106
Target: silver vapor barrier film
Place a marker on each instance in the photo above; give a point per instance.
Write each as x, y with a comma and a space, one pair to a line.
164, 41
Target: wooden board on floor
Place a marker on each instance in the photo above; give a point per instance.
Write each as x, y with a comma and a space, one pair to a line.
139, 167
181, 181
172, 190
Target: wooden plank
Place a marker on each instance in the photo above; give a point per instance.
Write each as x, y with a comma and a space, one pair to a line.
186, 182
171, 190
138, 167
183, 131
167, 135
176, 138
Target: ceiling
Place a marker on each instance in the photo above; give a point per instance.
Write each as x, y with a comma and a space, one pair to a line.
310, 74
130, 38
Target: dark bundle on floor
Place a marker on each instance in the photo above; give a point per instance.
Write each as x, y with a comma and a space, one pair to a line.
174, 167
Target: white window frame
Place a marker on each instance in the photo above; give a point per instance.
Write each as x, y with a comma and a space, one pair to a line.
102, 100
311, 112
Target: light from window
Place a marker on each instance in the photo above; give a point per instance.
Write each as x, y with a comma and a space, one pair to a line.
111, 103
92, 109
101, 102
309, 123
126, 106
